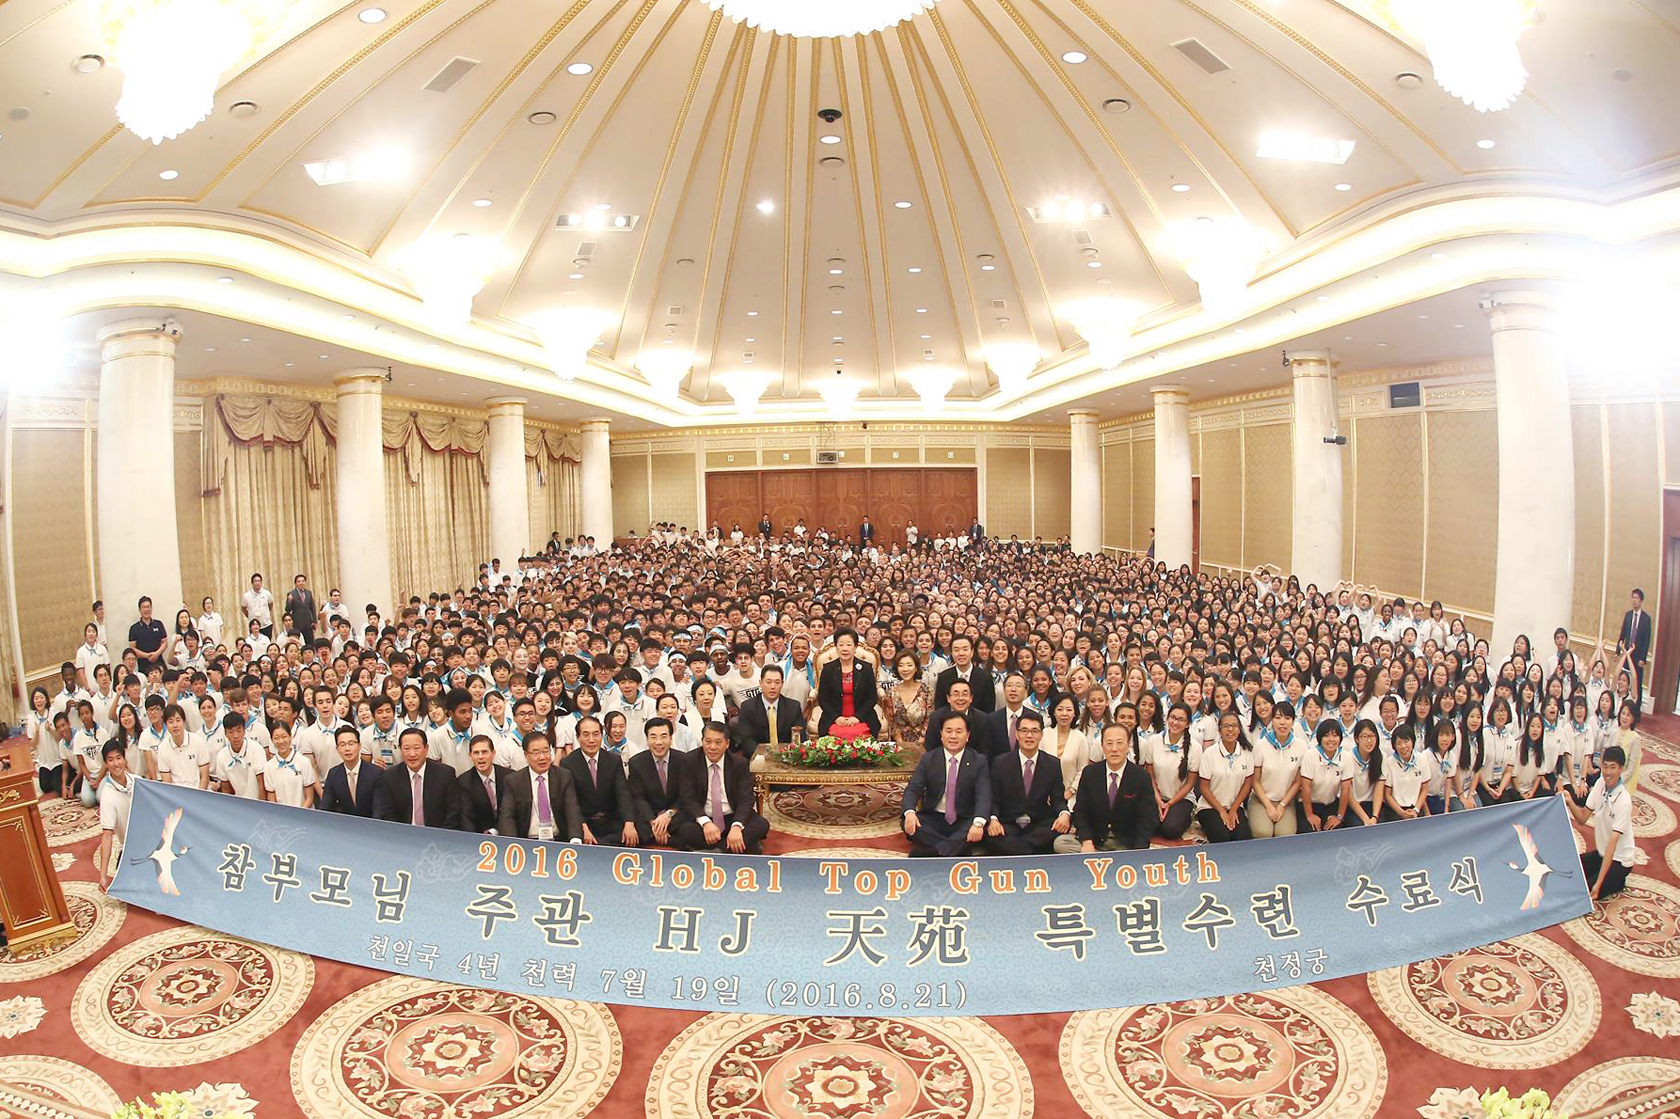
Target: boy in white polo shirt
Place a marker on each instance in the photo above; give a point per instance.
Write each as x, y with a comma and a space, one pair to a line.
237, 765
1610, 807
116, 794
184, 757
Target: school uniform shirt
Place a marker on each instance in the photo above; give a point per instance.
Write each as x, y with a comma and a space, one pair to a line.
1363, 786
1225, 772
1559, 743
48, 753
114, 803
799, 682
288, 777
64, 699
1612, 812
89, 747
1583, 746
1165, 758
1204, 731
318, 742
240, 770
1279, 763
1439, 770
1499, 753
636, 715
1525, 774
259, 606
505, 738
257, 731
210, 628
380, 745
1408, 779
445, 744
89, 657
179, 761
1325, 775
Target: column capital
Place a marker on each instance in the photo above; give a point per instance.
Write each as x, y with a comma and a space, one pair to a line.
506, 405
1170, 394
370, 379
132, 337
1521, 309
594, 425
1082, 415
1310, 363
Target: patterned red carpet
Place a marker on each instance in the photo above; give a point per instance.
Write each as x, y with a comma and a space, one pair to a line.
138, 1003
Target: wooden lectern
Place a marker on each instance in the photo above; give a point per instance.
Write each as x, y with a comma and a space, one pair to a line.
31, 904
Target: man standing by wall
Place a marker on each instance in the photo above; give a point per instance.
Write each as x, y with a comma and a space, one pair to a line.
300, 604
1635, 640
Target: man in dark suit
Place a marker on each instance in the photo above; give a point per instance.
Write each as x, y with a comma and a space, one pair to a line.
942, 817
980, 739
300, 604
1029, 804
603, 789
348, 787
764, 526
1636, 639
483, 788
541, 802
394, 795
976, 534
1114, 808
655, 774
771, 718
717, 797
983, 696
1002, 724
866, 532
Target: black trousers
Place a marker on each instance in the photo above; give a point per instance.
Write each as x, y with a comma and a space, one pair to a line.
688, 836
1216, 831
1034, 839
607, 830
935, 838
1614, 880
1176, 822
1509, 796
1322, 811
1352, 819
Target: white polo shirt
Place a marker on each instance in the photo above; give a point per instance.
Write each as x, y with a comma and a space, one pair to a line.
1279, 765
1324, 776
1408, 779
1225, 772
288, 777
180, 761
114, 803
240, 770
1612, 813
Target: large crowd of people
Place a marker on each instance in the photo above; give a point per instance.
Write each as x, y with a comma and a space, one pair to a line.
1048, 701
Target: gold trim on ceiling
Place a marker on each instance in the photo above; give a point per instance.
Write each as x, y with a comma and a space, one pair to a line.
882, 368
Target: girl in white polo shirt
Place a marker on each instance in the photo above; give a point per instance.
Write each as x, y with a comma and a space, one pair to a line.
1227, 775
288, 777
1325, 778
1277, 760
1365, 794
1499, 757
1172, 758
1440, 794
1409, 774
1529, 774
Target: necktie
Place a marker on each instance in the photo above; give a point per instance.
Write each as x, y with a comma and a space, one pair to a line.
490, 791
592, 778
770, 710
418, 797
662, 786
1027, 775
1012, 719
717, 795
545, 813
951, 789
1113, 787
350, 782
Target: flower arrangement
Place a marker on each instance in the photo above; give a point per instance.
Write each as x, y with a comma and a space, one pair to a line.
1532, 1104
207, 1101
829, 752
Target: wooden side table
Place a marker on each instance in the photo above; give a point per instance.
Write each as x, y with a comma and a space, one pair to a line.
768, 772
31, 904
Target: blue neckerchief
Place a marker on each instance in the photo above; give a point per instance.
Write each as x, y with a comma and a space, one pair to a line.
1332, 758
1171, 747
616, 747
1407, 764
287, 763
1271, 736
1232, 757
235, 759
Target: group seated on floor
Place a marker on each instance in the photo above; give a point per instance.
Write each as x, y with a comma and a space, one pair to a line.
1044, 701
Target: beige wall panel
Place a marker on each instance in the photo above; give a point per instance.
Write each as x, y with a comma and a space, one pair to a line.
630, 494
1671, 443
793, 456
1635, 510
1009, 492
1222, 521
91, 469
1196, 453
897, 455
540, 512
949, 456
196, 580
1143, 491
1117, 495
673, 488
1267, 531
1463, 508
49, 544
1052, 500
1390, 503
1589, 521
728, 460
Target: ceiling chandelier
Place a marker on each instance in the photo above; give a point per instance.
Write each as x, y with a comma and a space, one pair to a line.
839, 393
813, 19
1221, 255
447, 273
665, 370
933, 386
1472, 45
745, 387
568, 334
1106, 324
1012, 363
173, 53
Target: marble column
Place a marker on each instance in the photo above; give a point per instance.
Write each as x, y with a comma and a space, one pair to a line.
1534, 568
139, 546
364, 540
595, 483
510, 503
1317, 469
1172, 475
1085, 490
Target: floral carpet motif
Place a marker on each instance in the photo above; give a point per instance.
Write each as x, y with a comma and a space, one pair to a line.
836, 811
1638, 930
97, 919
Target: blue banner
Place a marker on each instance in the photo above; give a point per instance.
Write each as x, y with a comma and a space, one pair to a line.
787, 934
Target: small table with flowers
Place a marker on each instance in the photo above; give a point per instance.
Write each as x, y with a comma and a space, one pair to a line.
770, 771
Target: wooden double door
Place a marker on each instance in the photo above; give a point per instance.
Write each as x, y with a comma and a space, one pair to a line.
838, 498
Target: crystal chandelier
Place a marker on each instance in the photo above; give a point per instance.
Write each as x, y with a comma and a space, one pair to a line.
1106, 324
665, 370
568, 334
1012, 363
1221, 256
1472, 45
813, 19
933, 386
173, 53
839, 393
745, 388
446, 273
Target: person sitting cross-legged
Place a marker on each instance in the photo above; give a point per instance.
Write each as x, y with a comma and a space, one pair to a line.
949, 796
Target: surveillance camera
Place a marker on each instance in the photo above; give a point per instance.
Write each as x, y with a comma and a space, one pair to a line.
1336, 440
829, 116
1286, 362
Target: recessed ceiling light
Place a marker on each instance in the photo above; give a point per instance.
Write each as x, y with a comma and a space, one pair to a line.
1458, 326
1073, 58
1437, 256
925, 337
830, 138
750, 314
835, 271
913, 270
371, 15
1093, 264
1181, 188
347, 317
1383, 344
323, 357
209, 349
224, 279
1484, 144
88, 64
988, 268
752, 339
541, 116
1423, 316
170, 175
579, 68
921, 310
1322, 298
837, 311
244, 339
1344, 186
574, 276
289, 364
766, 207
838, 338
481, 202
902, 204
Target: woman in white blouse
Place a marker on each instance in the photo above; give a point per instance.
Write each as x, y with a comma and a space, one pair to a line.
1066, 742
1499, 757
210, 625
706, 708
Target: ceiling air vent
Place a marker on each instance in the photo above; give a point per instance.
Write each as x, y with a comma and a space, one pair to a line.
445, 78
998, 305
586, 248
673, 310
1082, 237
1201, 56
